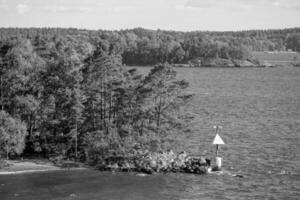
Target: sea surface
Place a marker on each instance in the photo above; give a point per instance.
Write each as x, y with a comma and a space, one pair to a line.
259, 111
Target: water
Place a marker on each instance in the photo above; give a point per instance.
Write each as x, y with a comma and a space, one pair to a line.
259, 110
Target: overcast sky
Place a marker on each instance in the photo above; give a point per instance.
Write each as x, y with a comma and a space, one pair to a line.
182, 15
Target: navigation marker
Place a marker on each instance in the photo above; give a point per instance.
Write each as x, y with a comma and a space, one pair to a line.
218, 141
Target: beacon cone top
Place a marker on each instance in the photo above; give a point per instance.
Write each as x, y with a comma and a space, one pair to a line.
218, 140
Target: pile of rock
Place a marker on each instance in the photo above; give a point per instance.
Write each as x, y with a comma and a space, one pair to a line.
4, 163
64, 162
157, 162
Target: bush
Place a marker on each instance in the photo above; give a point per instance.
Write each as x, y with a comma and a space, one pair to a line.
12, 135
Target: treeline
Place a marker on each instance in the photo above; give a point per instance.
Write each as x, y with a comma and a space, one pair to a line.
148, 47
58, 98
67, 91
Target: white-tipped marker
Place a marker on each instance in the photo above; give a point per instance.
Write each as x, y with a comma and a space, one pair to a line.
218, 141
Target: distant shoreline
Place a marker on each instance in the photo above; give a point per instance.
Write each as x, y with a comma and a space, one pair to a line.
262, 59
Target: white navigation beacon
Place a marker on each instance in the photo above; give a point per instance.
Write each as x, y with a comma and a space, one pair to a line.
218, 141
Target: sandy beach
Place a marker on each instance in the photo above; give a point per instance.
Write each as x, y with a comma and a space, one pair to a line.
28, 166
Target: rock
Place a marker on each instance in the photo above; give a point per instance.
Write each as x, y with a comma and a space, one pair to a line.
4, 164
202, 161
150, 163
115, 167
243, 63
57, 160
153, 164
200, 170
215, 169
101, 165
265, 64
207, 162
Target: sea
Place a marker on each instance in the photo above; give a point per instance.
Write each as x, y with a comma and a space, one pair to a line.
258, 110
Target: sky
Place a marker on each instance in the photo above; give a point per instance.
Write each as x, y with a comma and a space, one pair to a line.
182, 15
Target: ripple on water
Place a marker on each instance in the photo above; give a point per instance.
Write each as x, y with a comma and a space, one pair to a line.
259, 110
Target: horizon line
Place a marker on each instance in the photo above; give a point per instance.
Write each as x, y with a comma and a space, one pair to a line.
149, 29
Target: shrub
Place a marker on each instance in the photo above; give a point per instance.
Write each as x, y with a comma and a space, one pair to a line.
12, 134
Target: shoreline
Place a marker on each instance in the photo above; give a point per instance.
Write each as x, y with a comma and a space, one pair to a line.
289, 65
32, 166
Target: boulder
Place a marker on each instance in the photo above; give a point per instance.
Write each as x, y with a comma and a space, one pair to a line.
243, 63
202, 161
4, 164
150, 163
69, 164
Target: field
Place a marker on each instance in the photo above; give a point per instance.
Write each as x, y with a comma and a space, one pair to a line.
278, 58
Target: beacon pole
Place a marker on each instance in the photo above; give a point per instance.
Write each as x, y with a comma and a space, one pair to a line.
218, 141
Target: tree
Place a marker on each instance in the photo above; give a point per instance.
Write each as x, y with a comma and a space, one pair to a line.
293, 43
77, 108
160, 97
12, 134
62, 99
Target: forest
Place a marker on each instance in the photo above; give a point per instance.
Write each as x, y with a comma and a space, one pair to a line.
63, 102
149, 47
69, 92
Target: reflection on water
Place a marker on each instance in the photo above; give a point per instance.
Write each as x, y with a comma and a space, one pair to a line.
259, 110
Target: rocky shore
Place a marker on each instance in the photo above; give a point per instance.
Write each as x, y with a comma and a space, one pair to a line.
147, 163
230, 63
150, 163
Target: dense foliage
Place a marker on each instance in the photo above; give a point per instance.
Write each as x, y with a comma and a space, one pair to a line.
147, 47
69, 92
12, 134
83, 104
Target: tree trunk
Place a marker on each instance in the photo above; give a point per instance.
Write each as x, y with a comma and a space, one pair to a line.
7, 150
101, 103
76, 140
30, 124
93, 115
1, 93
158, 115
110, 106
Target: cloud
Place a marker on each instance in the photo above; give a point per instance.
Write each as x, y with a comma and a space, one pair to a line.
22, 8
58, 8
126, 8
296, 7
193, 5
238, 5
288, 4
184, 7
85, 9
65, 9
200, 3
5, 7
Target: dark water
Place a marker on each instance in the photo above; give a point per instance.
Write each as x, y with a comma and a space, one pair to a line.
259, 110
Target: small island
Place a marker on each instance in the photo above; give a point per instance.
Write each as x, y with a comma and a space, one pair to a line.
67, 95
